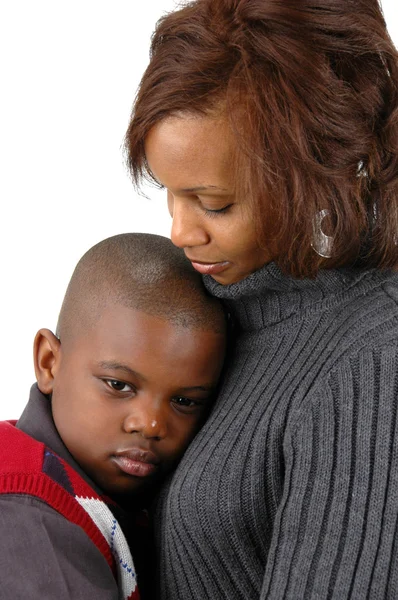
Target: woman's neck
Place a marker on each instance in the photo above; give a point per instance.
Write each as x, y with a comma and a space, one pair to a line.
268, 296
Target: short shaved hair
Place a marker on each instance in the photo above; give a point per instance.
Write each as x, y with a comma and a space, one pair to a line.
142, 271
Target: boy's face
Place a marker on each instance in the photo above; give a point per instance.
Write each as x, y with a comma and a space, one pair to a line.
129, 394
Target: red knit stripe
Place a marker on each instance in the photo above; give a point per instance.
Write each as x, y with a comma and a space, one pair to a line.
27, 456
28, 452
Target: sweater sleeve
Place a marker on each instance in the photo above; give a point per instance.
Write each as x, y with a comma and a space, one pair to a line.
43, 556
335, 536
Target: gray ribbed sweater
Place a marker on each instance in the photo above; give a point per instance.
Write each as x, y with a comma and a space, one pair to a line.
290, 491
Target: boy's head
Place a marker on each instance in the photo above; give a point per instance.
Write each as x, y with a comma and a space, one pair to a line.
136, 359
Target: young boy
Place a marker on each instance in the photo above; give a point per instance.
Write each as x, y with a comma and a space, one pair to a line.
121, 390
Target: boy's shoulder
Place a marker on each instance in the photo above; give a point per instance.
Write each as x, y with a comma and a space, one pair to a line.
33, 476
39, 547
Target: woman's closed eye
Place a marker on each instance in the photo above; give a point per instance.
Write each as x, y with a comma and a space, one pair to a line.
215, 211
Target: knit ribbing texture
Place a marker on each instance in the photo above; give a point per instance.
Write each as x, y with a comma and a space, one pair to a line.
290, 490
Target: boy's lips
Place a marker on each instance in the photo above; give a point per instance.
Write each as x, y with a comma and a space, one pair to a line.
136, 461
209, 268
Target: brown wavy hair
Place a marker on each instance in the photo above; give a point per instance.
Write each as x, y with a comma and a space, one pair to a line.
309, 88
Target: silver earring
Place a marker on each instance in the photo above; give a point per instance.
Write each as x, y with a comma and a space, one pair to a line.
321, 243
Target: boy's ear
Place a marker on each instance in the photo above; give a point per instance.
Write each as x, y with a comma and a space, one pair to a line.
47, 356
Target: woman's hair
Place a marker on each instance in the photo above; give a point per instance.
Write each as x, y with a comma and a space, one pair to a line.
310, 90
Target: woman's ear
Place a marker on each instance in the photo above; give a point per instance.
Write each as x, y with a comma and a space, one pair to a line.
47, 356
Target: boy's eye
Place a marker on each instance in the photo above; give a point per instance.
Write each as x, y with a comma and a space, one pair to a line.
118, 386
188, 405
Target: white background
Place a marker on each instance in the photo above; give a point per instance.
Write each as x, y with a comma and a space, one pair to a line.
69, 71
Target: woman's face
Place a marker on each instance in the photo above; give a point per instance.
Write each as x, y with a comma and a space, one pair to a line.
192, 157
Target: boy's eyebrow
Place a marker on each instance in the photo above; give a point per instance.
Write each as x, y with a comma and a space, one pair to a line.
115, 366
199, 388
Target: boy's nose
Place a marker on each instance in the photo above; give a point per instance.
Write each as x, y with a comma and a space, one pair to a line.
149, 421
186, 230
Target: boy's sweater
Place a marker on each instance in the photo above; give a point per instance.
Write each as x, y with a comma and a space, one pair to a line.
290, 490
58, 536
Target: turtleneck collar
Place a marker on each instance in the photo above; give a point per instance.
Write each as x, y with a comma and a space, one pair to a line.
268, 296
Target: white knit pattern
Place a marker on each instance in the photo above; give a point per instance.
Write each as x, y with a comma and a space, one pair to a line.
112, 532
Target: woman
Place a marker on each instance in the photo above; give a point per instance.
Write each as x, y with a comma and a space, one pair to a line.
273, 125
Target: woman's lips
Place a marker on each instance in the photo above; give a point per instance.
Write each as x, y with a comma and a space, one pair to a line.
210, 268
136, 462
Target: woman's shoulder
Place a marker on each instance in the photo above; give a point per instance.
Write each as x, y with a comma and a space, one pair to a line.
365, 313
356, 346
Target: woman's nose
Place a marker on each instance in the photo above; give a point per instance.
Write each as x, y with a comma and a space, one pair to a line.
149, 419
187, 230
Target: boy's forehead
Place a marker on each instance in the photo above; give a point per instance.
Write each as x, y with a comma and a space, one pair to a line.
126, 339
116, 320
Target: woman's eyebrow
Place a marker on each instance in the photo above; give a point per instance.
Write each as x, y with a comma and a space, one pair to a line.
202, 188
